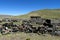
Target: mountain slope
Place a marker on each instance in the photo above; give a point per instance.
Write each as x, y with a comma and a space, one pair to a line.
5, 16
46, 13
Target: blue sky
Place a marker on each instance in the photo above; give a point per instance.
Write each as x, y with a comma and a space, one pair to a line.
20, 7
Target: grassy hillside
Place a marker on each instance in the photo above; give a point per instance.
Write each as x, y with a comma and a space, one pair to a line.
46, 13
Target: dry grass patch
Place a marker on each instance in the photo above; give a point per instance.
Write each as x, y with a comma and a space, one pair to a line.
31, 36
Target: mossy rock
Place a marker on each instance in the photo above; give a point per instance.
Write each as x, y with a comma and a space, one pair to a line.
28, 39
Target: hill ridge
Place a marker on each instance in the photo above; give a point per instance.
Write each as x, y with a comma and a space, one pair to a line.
46, 13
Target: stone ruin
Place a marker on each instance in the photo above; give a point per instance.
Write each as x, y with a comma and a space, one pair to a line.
36, 19
48, 25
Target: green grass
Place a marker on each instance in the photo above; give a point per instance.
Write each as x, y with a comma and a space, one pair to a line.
17, 23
